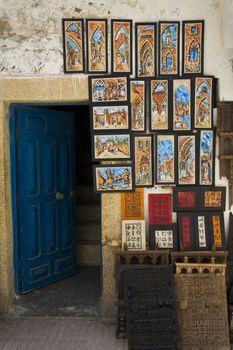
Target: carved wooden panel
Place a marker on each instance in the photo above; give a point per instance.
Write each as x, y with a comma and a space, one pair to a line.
132, 205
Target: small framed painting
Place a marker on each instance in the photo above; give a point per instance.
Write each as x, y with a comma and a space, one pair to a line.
181, 106
186, 231
160, 209
73, 45
159, 104
213, 198
217, 230
163, 237
186, 159
201, 229
169, 49
113, 178
193, 47
207, 157
110, 118
145, 41
132, 205
138, 104
121, 45
186, 198
111, 147
106, 88
165, 159
97, 45
133, 235
203, 102
143, 160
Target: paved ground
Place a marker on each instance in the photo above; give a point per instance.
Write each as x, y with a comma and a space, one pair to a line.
37, 333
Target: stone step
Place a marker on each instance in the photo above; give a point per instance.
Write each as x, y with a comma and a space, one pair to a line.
88, 231
88, 255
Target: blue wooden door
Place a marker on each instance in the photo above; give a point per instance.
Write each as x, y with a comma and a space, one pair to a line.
46, 207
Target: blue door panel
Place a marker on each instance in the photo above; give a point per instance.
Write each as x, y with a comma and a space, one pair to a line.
46, 166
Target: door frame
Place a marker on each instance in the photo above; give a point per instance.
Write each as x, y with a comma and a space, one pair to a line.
13, 129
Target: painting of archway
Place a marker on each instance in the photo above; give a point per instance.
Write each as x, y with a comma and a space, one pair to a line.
159, 105
137, 99
121, 46
145, 39
203, 106
143, 160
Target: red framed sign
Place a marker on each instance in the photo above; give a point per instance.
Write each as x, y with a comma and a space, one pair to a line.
160, 209
186, 231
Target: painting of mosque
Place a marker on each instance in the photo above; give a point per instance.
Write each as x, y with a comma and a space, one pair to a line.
143, 160
159, 104
181, 104
97, 46
165, 162
206, 165
145, 41
121, 47
110, 118
73, 42
109, 147
137, 99
113, 178
169, 48
203, 107
193, 47
108, 89
186, 160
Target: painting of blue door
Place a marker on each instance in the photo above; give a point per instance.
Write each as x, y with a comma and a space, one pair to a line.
45, 166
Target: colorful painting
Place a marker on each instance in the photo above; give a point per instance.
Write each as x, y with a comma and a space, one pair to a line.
203, 105
145, 41
165, 165
121, 46
113, 178
97, 45
106, 118
109, 147
160, 209
186, 229
181, 104
217, 230
108, 89
193, 47
186, 160
159, 104
143, 160
73, 45
163, 237
133, 235
169, 48
138, 105
206, 171
132, 205
213, 198
186, 199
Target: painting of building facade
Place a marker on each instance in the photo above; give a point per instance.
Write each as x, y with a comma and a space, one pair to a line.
121, 46
186, 160
116, 178
159, 104
181, 104
206, 165
108, 89
145, 41
165, 165
169, 42
143, 160
137, 99
110, 118
111, 147
203, 107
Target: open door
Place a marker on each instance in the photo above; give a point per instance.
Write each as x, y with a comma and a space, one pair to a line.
45, 196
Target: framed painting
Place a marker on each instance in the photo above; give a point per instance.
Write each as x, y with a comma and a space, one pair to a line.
169, 49
181, 106
165, 160
106, 88
160, 209
207, 157
217, 230
201, 230
186, 198
213, 198
73, 45
186, 231
132, 205
203, 102
193, 47
145, 42
113, 178
121, 46
138, 104
110, 118
111, 147
159, 104
163, 237
143, 160
186, 159
133, 235
97, 45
